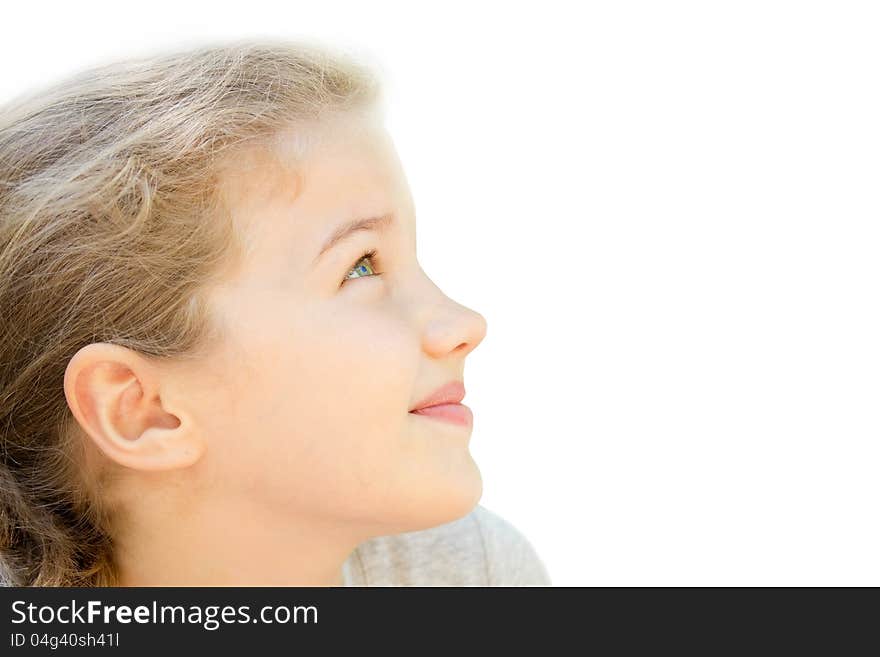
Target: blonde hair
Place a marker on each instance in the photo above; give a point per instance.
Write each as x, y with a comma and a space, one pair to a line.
111, 228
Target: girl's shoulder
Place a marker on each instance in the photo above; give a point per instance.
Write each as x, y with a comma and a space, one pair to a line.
479, 549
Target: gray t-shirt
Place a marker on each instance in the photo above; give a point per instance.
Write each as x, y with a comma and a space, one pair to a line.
479, 549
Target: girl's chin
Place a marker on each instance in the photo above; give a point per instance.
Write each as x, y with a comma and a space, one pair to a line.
456, 500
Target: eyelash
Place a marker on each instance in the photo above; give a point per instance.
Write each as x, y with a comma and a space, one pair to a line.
369, 254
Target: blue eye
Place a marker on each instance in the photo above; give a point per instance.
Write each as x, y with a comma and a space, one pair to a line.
360, 270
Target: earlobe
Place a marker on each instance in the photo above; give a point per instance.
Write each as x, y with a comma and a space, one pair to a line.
114, 395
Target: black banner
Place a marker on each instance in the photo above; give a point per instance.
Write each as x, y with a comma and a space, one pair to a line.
541, 620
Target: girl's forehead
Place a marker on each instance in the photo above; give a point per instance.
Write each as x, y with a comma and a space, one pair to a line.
278, 201
306, 140
352, 150
345, 175
255, 182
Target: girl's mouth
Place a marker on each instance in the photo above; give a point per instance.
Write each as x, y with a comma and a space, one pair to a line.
455, 413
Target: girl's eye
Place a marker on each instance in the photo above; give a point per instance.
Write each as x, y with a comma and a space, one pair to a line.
360, 270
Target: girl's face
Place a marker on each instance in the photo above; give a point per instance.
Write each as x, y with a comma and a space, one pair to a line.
305, 409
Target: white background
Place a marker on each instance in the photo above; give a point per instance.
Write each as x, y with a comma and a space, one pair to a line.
667, 213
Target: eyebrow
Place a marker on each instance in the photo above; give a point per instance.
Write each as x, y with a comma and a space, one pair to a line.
379, 223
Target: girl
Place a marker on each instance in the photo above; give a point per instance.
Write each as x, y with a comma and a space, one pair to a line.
220, 360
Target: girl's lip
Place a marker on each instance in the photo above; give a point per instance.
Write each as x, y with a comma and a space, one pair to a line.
450, 393
455, 413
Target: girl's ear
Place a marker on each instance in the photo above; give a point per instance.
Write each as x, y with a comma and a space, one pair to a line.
114, 394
